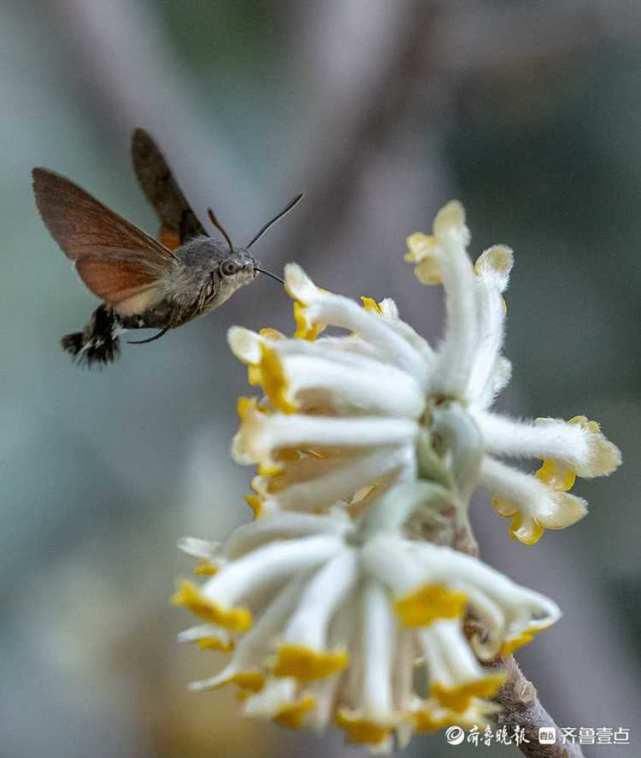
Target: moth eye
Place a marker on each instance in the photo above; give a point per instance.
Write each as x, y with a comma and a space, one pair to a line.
228, 268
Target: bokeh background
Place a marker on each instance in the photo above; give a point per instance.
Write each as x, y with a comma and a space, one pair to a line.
380, 110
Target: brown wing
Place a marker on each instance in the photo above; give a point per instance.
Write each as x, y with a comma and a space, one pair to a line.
115, 280
178, 222
114, 258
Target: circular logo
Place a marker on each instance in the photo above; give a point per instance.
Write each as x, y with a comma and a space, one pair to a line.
454, 735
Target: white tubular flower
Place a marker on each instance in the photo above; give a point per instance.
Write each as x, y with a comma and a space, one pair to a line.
328, 618
345, 418
470, 371
339, 414
368, 446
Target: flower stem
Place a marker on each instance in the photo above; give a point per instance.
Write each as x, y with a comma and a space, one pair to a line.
518, 696
522, 708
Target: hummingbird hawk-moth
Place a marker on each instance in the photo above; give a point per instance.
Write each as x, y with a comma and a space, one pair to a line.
143, 282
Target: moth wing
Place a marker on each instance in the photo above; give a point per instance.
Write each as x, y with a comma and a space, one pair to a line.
115, 259
178, 221
117, 281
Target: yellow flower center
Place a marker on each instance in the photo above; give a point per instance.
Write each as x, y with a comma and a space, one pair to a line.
428, 719
249, 681
557, 476
305, 330
429, 603
215, 643
362, 730
189, 596
305, 663
256, 503
458, 697
205, 568
371, 305
292, 715
524, 638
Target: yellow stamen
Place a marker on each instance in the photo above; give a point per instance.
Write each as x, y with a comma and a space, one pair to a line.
205, 568
189, 596
269, 469
305, 330
371, 305
557, 476
292, 715
429, 719
524, 638
248, 681
271, 334
275, 483
270, 375
274, 380
422, 251
605, 457
497, 259
429, 603
255, 502
245, 405
306, 664
254, 375
585, 423
425, 249
419, 245
361, 730
526, 529
215, 643
504, 508
458, 697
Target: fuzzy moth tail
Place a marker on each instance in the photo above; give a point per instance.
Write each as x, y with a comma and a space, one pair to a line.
98, 343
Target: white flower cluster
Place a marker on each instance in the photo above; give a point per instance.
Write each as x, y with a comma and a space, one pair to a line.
328, 602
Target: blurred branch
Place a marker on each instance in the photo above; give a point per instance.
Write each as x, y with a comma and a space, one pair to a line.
123, 52
363, 102
522, 708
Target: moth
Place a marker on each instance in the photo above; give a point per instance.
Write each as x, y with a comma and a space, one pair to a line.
143, 282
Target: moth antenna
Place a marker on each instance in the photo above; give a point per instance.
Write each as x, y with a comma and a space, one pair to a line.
276, 218
269, 273
150, 339
220, 227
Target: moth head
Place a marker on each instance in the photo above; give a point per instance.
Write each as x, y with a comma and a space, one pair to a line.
238, 264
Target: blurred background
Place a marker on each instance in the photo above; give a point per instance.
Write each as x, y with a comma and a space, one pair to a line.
380, 110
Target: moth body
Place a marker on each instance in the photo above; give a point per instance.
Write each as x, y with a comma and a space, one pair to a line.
143, 282
201, 279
